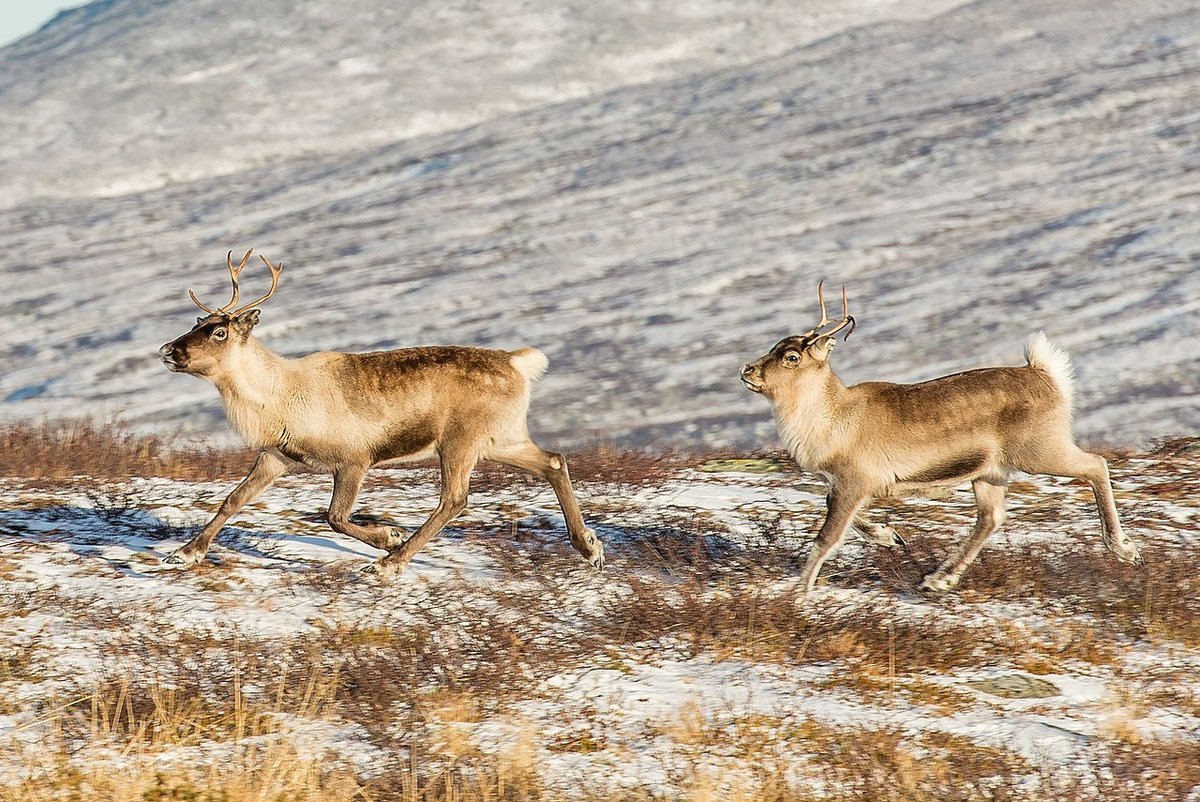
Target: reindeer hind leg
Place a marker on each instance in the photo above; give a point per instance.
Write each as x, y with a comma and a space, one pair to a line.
1076, 463
553, 468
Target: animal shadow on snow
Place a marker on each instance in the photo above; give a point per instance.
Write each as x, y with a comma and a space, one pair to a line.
87, 531
671, 550
778, 552
667, 549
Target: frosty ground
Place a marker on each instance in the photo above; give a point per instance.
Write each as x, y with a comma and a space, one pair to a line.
501, 666
1011, 166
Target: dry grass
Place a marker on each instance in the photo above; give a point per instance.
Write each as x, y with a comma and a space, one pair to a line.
748, 624
859, 764
61, 449
119, 743
1159, 602
470, 654
418, 695
111, 450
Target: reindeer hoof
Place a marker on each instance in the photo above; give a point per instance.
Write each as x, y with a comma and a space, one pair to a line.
182, 558
384, 569
396, 537
886, 536
937, 584
878, 534
592, 549
1131, 554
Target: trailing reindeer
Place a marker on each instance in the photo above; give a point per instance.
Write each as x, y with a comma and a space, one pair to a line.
348, 412
877, 439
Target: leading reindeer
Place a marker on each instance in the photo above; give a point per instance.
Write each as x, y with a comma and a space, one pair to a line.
348, 412
878, 439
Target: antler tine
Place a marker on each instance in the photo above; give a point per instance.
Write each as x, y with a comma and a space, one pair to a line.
847, 316
824, 317
275, 271
846, 320
234, 272
241, 265
821, 301
196, 301
233, 276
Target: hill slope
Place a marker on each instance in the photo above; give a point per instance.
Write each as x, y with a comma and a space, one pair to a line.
121, 95
1003, 168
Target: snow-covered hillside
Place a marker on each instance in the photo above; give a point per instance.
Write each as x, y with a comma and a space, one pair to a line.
123, 95
1005, 167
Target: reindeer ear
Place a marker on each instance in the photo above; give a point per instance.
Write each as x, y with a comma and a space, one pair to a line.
246, 320
821, 348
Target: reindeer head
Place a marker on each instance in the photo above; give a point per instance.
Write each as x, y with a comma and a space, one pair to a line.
800, 357
216, 336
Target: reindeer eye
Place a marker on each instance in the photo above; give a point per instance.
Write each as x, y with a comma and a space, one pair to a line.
791, 358
219, 333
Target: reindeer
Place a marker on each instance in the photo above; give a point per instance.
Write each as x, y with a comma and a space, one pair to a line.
877, 439
349, 412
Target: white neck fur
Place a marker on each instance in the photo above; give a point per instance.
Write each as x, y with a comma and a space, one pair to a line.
253, 386
806, 417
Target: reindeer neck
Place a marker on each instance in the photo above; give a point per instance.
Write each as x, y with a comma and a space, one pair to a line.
254, 388
811, 422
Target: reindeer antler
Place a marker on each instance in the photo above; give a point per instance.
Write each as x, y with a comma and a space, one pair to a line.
846, 319
275, 271
234, 272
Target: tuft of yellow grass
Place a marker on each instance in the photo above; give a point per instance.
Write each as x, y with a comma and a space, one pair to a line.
126, 743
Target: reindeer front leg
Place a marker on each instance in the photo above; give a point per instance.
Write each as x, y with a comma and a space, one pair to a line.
269, 466
843, 504
347, 480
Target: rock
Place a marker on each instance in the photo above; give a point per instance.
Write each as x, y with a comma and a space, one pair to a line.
1016, 686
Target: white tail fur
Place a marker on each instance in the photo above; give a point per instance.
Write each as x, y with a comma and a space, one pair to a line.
530, 363
1045, 355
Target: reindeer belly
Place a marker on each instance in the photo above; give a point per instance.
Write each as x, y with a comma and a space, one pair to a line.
308, 450
935, 478
950, 470
414, 440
